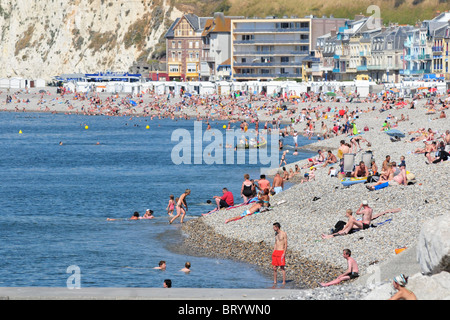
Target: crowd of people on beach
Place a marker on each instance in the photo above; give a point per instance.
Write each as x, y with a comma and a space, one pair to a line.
308, 111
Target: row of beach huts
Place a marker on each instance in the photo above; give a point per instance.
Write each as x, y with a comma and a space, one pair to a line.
362, 88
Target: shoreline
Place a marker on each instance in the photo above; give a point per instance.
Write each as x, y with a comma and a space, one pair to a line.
250, 240
208, 244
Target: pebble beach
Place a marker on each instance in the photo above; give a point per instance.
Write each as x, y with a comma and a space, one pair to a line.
312, 259
308, 210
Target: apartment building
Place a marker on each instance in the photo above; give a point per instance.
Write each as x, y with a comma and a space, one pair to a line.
216, 53
184, 45
271, 48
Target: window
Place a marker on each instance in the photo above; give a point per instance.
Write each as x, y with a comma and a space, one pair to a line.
173, 68
190, 44
179, 45
284, 59
191, 67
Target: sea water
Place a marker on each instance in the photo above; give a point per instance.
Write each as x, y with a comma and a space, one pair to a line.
56, 198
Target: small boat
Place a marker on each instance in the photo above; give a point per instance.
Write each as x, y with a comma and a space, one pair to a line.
252, 144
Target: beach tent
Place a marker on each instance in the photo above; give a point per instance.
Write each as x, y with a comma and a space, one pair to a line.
4, 83
207, 88
273, 87
39, 83
83, 86
16, 83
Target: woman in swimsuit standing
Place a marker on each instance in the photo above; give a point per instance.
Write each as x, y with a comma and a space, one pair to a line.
248, 188
180, 210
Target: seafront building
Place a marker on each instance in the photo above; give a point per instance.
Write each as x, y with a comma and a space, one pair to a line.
271, 48
184, 46
307, 49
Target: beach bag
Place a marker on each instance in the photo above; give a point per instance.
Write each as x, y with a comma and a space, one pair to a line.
371, 179
338, 226
366, 128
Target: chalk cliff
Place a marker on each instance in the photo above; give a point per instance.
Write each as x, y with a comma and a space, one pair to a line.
44, 38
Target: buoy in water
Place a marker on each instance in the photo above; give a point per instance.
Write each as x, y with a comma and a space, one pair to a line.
224, 126
20, 131
147, 127
86, 127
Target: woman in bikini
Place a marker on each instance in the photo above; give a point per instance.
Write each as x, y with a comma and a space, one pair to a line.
180, 204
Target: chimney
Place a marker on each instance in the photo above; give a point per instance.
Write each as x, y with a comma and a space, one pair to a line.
333, 32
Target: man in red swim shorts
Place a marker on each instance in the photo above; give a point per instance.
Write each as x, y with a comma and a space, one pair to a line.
279, 252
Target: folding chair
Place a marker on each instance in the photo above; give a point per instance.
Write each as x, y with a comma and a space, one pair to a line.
367, 157
349, 162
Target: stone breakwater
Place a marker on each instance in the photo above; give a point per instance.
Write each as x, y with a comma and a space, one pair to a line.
305, 211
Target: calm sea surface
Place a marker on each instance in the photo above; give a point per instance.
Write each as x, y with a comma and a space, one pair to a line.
55, 199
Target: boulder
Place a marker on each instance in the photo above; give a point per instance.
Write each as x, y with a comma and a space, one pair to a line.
433, 247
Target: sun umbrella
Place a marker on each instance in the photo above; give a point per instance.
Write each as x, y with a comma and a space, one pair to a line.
395, 133
331, 94
433, 89
401, 103
422, 88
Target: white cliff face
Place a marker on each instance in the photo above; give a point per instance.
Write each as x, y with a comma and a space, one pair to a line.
45, 38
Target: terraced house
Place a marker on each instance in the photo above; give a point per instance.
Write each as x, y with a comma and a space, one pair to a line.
184, 47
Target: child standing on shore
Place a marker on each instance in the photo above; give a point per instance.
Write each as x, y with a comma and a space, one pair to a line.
170, 206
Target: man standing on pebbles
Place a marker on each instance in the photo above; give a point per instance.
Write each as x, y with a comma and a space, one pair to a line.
279, 252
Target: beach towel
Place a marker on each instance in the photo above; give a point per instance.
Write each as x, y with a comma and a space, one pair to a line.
383, 222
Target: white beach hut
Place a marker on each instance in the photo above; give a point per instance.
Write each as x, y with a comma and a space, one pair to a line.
207, 88
223, 87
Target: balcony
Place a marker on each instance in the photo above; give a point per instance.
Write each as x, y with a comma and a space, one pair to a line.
412, 72
437, 49
263, 42
209, 59
269, 30
267, 64
266, 75
423, 57
270, 53
173, 61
